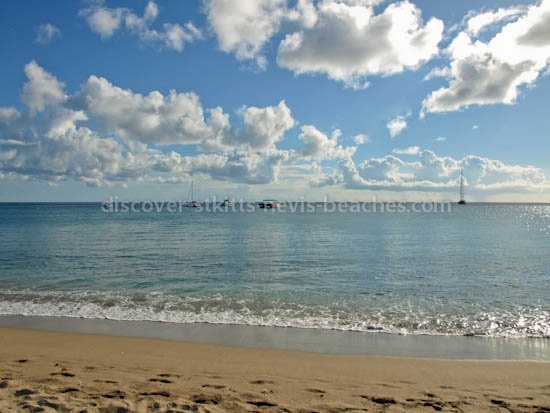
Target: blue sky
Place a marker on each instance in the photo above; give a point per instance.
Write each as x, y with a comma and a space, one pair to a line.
282, 104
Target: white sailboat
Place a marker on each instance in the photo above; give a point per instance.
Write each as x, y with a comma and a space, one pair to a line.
192, 203
462, 201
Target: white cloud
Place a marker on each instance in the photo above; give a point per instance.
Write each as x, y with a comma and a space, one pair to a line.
45, 33
483, 73
317, 145
436, 72
349, 42
42, 89
434, 173
179, 118
264, 127
410, 150
174, 118
60, 147
103, 20
396, 126
481, 21
441, 139
474, 127
305, 13
343, 39
243, 27
360, 139
247, 168
54, 140
57, 148
106, 21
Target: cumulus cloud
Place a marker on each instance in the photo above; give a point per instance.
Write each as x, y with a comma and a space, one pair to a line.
41, 89
105, 21
263, 127
61, 147
45, 33
410, 150
433, 173
317, 145
397, 125
53, 139
361, 138
343, 39
243, 27
170, 119
56, 148
179, 118
349, 41
480, 21
105, 135
483, 73
250, 168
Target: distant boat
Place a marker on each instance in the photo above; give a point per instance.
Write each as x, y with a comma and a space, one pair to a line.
227, 203
192, 203
270, 204
462, 201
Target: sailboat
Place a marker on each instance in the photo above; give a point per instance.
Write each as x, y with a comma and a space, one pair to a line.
462, 201
227, 202
192, 203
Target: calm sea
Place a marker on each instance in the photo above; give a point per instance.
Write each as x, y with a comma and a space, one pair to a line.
480, 269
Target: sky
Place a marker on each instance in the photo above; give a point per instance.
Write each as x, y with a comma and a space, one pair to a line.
288, 99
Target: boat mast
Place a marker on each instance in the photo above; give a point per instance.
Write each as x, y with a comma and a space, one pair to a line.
190, 193
461, 184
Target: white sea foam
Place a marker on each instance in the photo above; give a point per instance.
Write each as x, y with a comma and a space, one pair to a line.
217, 309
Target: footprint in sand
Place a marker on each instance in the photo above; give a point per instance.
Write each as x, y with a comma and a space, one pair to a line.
380, 400
62, 373
206, 399
499, 402
58, 407
24, 392
261, 403
260, 381
213, 386
320, 392
169, 375
115, 394
156, 393
165, 381
69, 390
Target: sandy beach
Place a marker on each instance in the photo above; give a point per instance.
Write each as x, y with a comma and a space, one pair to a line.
50, 371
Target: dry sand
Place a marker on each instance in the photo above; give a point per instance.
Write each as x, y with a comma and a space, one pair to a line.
46, 371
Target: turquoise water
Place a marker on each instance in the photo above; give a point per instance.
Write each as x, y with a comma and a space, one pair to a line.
482, 269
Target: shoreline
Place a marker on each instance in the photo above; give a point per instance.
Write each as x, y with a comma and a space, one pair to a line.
319, 341
53, 371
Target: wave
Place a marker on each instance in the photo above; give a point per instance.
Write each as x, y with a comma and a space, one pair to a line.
522, 322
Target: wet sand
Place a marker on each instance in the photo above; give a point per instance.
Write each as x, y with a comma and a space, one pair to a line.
52, 371
301, 339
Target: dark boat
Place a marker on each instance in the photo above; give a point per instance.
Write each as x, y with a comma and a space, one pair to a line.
270, 204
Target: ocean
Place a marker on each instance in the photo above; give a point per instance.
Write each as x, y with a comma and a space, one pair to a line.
479, 269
